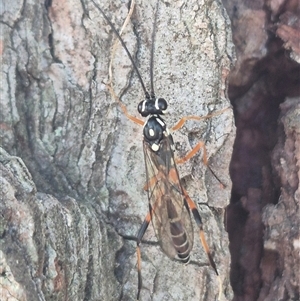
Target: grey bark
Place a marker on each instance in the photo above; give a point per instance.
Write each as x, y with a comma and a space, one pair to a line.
72, 172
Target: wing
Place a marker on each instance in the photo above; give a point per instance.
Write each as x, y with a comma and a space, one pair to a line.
170, 212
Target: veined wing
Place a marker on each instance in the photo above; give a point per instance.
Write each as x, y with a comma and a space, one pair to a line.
170, 213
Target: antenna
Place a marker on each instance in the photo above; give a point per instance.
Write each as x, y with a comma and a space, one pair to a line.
152, 94
125, 47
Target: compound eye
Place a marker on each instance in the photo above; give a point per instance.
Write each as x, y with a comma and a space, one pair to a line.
142, 108
162, 105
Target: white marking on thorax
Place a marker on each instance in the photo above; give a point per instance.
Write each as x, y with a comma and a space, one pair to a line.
160, 122
155, 147
151, 132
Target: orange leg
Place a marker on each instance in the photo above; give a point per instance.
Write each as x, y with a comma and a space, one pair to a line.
173, 177
192, 153
123, 107
192, 206
198, 220
139, 267
187, 157
181, 122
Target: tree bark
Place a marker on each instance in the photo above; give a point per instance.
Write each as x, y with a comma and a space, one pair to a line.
264, 89
72, 168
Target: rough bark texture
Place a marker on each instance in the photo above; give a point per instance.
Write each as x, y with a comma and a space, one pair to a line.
264, 87
72, 172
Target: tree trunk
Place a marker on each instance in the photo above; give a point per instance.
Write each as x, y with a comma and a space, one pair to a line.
264, 89
72, 166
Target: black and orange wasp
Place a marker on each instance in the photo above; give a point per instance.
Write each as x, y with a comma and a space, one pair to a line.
169, 203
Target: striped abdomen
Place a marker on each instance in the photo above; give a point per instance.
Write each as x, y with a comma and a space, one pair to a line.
178, 233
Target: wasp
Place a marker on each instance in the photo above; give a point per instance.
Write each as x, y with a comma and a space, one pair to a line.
170, 207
